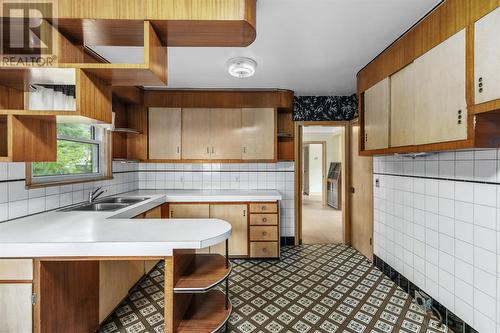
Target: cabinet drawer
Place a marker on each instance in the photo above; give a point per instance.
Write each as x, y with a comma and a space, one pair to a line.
16, 269
264, 250
263, 208
263, 219
263, 233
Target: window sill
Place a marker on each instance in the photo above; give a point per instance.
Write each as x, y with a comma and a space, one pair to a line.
30, 185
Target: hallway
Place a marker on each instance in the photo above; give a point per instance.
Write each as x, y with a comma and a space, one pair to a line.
320, 224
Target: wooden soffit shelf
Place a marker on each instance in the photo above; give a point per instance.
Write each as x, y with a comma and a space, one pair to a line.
177, 22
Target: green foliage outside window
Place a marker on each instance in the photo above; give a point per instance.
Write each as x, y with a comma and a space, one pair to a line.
73, 157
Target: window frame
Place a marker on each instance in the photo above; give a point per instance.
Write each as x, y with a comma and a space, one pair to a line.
103, 155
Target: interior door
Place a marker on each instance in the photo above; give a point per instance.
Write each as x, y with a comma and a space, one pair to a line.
403, 107
225, 134
377, 108
487, 57
195, 134
361, 203
237, 216
164, 133
440, 105
305, 170
258, 133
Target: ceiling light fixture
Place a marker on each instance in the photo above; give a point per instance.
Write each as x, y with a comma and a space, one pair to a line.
241, 67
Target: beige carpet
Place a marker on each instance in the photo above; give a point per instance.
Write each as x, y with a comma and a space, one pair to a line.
320, 224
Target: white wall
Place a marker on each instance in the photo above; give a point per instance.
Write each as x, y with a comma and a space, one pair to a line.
231, 176
437, 221
17, 201
315, 168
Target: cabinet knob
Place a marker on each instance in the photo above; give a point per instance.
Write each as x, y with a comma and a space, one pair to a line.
264, 233
264, 249
264, 207
264, 219
480, 79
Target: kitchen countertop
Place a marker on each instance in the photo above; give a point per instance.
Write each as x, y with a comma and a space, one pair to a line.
116, 234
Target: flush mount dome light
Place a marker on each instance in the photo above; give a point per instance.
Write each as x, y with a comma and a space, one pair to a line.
241, 67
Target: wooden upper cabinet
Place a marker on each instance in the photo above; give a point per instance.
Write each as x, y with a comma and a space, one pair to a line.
440, 104
402, 123
196, 134
259, 133
376, 115
487, 57
225, 134
165, 133
236, 215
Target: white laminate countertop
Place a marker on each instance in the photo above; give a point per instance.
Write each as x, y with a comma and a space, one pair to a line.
116, 234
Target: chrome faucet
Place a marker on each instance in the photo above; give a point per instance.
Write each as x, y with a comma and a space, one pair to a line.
95, 194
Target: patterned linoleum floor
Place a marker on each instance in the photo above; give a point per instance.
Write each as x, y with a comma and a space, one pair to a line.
313, 288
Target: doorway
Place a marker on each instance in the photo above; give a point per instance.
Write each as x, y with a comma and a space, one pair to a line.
322, 157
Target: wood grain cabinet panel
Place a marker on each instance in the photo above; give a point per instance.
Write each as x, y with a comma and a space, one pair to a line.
487, 57
440, 104
164, 133
236, 215
377, 108
263, 219
225, 134
116, 278
259, 133
263, 207
15, 307
195, 134
403, 107
189, 211
264, 250
263, 233
16, 269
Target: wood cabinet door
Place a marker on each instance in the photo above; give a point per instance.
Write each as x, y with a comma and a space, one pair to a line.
225, 134
15, 307
116, 278
361, 203
487, 57
258, 127
236, 215
164, 133
377, 108
196, 134
154, 213
403, 107
189, 211
440, 105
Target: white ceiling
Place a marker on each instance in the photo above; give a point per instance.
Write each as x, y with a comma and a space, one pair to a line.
314, 47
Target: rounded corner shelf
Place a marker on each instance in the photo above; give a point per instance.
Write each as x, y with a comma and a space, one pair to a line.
206, 272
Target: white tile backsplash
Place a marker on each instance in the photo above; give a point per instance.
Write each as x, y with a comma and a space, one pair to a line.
235, 176
17, 201
454, 198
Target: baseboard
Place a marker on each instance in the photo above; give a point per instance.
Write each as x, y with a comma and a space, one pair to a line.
287, 241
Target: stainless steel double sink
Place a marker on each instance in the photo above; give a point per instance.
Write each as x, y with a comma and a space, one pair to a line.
106, 205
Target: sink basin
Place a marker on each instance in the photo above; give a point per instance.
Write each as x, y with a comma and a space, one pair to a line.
98, 207
129, 201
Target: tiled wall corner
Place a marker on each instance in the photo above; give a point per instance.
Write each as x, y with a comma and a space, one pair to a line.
17, 201
437, 222
234, 176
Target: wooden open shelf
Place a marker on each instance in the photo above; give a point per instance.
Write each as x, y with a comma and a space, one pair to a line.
204, 272
286, 136
205, 313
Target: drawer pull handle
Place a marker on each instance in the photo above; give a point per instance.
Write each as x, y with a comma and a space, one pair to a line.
264, 233
264, 219
264, 249
264, 207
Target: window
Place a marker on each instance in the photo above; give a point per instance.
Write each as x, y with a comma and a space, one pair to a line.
80, 155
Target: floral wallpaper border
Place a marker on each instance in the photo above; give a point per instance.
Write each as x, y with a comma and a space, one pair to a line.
325, 108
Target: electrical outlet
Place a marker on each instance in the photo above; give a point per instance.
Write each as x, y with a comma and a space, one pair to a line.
423, 300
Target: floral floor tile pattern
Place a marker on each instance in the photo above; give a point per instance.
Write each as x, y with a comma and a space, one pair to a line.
313, 288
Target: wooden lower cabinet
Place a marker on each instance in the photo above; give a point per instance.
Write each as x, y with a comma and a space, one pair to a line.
15, 307
116, 278
252, 223
236, 215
